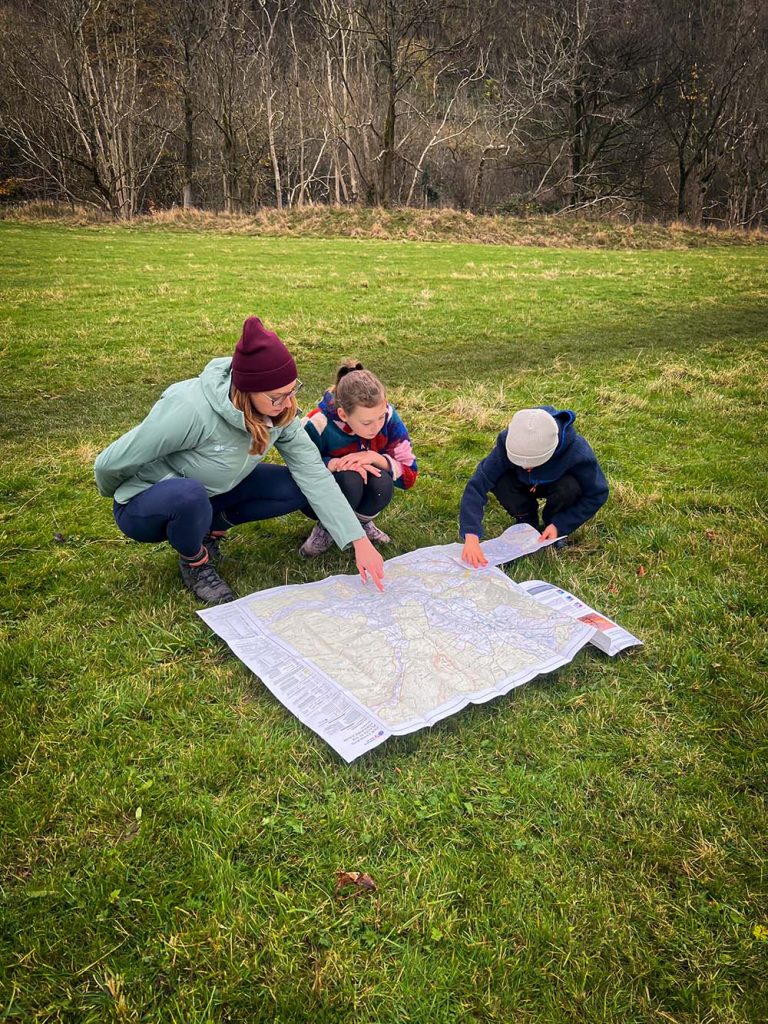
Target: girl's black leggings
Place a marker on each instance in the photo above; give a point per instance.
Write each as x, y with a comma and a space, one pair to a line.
367, 497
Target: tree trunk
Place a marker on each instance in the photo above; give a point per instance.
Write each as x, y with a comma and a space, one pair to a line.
189, 151
353, 182
477, 184
577, 144
303, 183
682, 179
229, 176
273, 152
388, 145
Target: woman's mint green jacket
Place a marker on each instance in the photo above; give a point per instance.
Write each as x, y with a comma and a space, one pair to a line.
194, 431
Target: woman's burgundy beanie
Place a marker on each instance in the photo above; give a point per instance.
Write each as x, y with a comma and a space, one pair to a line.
261, 361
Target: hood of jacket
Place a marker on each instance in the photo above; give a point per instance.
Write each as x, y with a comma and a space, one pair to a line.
193, 430
327, 406
215, 384
565, 418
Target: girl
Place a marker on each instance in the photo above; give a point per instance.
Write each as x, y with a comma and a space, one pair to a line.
365, 445
193, 468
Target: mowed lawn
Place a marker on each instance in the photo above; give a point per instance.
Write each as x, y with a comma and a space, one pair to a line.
590, 848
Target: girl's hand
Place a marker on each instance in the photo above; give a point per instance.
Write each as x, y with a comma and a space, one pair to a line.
361, 462
473, 553
550, 533
374, 459
369, 562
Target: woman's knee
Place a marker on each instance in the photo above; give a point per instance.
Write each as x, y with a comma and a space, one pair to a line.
189, 497
284, 489
148, 515
266, 482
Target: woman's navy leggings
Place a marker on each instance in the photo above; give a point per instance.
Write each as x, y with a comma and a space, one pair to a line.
180, 511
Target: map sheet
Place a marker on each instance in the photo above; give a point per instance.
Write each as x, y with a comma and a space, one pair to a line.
610, 637
358, 666
516, 541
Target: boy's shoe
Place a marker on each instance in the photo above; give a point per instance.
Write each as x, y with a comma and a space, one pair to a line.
213, 546
374, 534
205, 583
560, 544
317, 543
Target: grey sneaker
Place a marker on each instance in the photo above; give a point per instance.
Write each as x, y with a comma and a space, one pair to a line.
317, 542
205, 583
374, 534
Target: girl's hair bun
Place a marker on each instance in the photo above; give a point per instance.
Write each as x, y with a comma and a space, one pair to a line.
347, 367
357, 386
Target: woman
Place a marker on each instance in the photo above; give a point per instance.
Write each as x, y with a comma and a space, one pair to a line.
193, 468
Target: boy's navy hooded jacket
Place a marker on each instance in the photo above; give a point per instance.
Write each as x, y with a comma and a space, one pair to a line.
573, 455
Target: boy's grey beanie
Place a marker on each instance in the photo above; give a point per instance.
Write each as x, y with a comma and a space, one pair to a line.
532, 437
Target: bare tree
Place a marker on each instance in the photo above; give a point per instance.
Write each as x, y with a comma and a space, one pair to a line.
344, 90
409, 38
456, 120
705, 55
86, 103
183, 27
228, 61
743, 167
511, 104
266, 20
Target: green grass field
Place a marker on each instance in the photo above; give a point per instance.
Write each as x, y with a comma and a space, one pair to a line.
591, 848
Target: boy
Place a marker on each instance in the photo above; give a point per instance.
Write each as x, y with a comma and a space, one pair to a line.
538, 456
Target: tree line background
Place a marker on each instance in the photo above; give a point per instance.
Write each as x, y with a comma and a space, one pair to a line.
645, 108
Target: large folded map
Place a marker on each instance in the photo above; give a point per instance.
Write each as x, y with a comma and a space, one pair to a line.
358, 666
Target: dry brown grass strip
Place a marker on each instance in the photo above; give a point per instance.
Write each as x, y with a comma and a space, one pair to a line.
559, 231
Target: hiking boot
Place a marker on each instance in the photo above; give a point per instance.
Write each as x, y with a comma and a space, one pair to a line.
374, 534
205, 583
317, 542
213, 546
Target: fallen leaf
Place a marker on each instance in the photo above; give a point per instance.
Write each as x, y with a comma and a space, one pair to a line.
613, 588
362, 881
641, 570
710, 535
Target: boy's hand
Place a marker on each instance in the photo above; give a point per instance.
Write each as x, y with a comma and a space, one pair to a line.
473, 553
550, 533
369, 561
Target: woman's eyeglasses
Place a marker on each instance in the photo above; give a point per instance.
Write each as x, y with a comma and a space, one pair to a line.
277, 400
